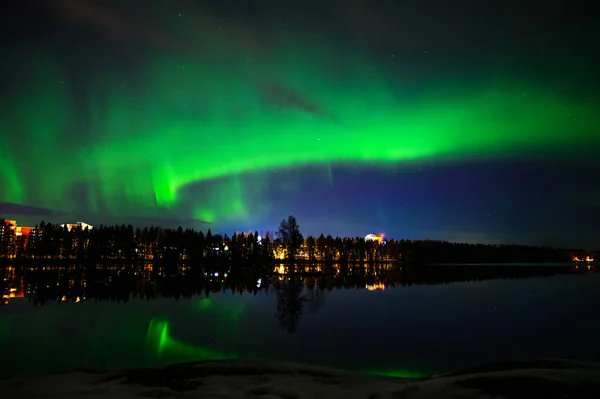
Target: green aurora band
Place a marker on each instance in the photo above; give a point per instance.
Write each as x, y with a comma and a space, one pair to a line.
138, 144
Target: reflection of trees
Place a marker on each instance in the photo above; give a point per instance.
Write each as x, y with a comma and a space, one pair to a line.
46, 284
289, 303
292, 295
290, 236
314, 296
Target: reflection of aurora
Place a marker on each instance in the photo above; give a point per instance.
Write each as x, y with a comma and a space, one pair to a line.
207, 306
5, 327
230, 323
152, 330
399, 373
169, 350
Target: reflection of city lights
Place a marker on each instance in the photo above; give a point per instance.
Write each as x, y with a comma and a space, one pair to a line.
64, 299
586, 259
375, 287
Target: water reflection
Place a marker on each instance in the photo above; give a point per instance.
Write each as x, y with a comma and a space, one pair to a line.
294, 291
342, 316
290, 302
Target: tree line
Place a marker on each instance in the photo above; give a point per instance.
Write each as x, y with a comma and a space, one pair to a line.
118, 243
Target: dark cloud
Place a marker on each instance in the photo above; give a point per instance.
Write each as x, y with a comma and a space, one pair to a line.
9, 208
286, 97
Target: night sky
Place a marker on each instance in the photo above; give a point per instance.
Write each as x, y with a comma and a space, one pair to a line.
470, 121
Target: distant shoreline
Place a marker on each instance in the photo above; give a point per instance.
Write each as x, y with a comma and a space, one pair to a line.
276, 262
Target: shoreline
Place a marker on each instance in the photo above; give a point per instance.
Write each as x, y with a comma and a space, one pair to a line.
246, 378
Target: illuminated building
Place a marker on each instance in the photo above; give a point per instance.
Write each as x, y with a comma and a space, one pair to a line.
6, 230
374, 237
22, 231
8, 238
3, 234
14, 240
34, 235
280, 253
71, 226
18, 230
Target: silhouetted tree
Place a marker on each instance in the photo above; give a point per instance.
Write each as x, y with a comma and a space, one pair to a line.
321, 246
291, 238
310, 248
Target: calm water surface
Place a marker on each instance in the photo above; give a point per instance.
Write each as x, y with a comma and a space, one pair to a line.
400, 330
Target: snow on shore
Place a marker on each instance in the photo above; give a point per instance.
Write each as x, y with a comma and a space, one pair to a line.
265, 380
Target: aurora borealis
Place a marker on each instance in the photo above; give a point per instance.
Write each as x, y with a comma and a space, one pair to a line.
229, 118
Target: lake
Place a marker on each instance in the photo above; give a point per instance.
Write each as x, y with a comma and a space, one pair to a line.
378, 319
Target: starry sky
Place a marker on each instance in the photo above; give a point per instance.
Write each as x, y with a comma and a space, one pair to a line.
464, 121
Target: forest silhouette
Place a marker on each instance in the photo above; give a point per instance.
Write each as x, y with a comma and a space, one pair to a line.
121, 243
